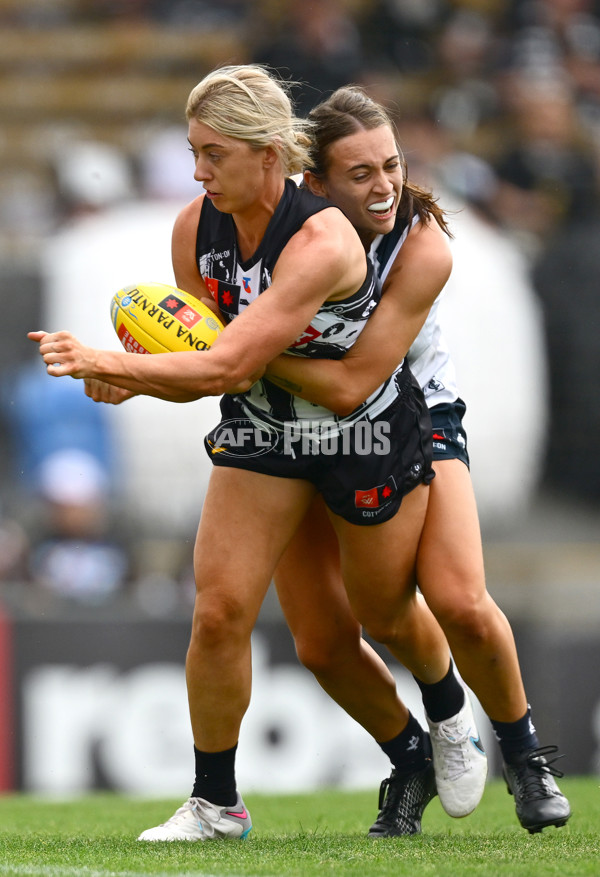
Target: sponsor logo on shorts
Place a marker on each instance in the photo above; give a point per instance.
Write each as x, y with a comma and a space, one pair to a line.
376, 497
439, 440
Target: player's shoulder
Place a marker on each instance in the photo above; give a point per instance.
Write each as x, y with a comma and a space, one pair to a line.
327, 242
426, 240
189, 216
330, 228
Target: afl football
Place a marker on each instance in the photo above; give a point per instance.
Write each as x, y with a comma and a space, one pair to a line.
158, 318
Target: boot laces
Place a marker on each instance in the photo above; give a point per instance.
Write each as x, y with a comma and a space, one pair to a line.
534, 782
455, 761
386, 792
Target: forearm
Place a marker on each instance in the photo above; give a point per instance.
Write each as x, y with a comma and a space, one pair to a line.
340, 385
174, 377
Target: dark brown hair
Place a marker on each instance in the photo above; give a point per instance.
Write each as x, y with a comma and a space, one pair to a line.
348, 110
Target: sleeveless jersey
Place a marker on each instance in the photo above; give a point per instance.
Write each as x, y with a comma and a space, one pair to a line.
234, 284
429, 357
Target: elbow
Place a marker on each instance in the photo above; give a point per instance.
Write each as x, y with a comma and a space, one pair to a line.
230, 377
345, 401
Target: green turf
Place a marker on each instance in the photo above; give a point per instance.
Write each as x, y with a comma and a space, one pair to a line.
301, 835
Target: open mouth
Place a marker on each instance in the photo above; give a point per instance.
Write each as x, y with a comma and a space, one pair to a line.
382, 208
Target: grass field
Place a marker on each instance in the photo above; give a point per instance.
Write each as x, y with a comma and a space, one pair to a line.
302, 835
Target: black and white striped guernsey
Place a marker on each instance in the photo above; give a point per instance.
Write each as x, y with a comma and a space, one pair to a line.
234, 284
429, 357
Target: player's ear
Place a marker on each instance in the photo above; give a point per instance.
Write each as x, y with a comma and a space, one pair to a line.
271, 157
315, 184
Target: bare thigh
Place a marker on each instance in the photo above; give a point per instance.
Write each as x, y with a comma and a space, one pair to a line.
247, 521
310, 587
379, 562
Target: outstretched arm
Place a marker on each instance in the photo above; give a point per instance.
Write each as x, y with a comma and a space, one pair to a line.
418, 275
265, 328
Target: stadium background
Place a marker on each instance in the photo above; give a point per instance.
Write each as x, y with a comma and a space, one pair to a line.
498, 106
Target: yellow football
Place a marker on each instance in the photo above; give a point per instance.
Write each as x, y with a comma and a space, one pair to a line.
158, 318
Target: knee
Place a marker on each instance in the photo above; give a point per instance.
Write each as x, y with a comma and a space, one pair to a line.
322, 654
388, 630
218, 620
472, 619
316, 655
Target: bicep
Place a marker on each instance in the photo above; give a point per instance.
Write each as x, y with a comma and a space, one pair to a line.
313, 267
415, 280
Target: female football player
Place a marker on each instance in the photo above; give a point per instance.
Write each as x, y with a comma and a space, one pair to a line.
289, 272
356, 163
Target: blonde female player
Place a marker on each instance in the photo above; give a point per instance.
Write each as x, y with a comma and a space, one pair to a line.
283, 266
356, 163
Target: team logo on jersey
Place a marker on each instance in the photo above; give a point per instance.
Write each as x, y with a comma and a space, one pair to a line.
226, 295
217, 261
376, 497
433, 386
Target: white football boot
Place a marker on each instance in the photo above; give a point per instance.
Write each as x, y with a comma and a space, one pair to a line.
198, 819
459, 761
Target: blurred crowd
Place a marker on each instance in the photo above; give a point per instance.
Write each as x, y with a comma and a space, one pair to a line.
498, 107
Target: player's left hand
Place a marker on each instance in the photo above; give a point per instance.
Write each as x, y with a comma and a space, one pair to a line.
100, 391
64, 354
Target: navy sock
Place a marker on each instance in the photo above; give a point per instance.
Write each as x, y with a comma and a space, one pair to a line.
215, 776
410, 750
514, 737
442, 699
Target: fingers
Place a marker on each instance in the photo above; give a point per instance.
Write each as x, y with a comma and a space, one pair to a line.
58, 350
59, 370
97, 390
100, 391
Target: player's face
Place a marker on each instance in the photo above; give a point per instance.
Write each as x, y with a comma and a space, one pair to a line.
229, 169
364, 179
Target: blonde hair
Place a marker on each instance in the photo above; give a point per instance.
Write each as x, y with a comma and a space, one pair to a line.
249, 103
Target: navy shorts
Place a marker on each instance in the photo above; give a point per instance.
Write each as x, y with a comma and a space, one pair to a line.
363, 470
449, 436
